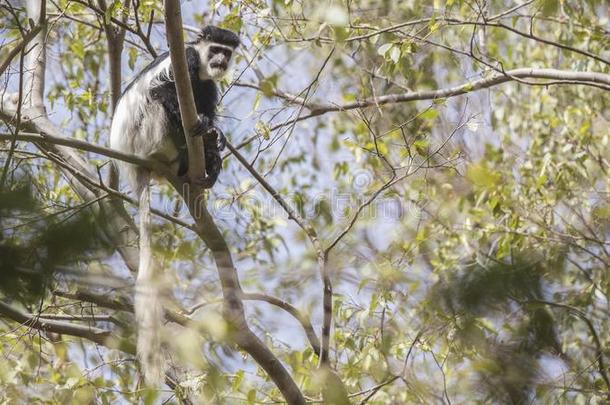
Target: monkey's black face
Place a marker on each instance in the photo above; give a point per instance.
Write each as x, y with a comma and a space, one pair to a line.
219, 57
215, 58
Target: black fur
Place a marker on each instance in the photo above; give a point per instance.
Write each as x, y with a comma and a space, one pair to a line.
206, 97
211, 33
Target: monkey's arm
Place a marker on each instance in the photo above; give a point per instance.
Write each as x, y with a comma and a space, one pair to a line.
193, 63
213, 160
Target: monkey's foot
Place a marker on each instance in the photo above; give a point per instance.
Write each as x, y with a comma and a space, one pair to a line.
203, 181
206, 181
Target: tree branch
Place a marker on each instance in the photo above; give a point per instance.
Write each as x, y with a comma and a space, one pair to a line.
311, 234
298, 315
93, 334
585, 78
85, 146
26, 39
115, 38
120, 304
188, 112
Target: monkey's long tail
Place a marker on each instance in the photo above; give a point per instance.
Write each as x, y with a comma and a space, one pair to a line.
148, 308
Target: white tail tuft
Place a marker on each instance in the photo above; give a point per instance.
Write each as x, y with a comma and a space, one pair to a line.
148, 295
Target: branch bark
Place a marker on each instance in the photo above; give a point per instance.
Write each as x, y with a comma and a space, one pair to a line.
188, 112
70, 142
593, 79
180, 318
233, 307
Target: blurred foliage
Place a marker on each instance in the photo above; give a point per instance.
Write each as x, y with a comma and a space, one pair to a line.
475, 264
36, 243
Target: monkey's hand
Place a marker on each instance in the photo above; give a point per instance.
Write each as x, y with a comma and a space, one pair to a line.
215, 138
212, 135
202, 127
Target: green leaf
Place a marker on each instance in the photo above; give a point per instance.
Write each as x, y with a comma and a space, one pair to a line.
133, 56
483, 176
429, 114
374, 302
421, 146
251, 397
263, 129
549, 7
269, 84
239, 377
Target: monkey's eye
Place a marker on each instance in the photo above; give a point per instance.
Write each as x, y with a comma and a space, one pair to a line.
215, 50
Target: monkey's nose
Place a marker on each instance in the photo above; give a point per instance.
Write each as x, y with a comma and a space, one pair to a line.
220, 65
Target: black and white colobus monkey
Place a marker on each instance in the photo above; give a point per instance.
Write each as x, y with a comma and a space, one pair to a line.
147, 123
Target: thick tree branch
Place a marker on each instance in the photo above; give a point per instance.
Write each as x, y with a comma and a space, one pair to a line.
232, 305
84, 146
188, 112
119, 304
123, 304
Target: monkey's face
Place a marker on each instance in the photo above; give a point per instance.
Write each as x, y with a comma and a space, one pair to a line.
217, 60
